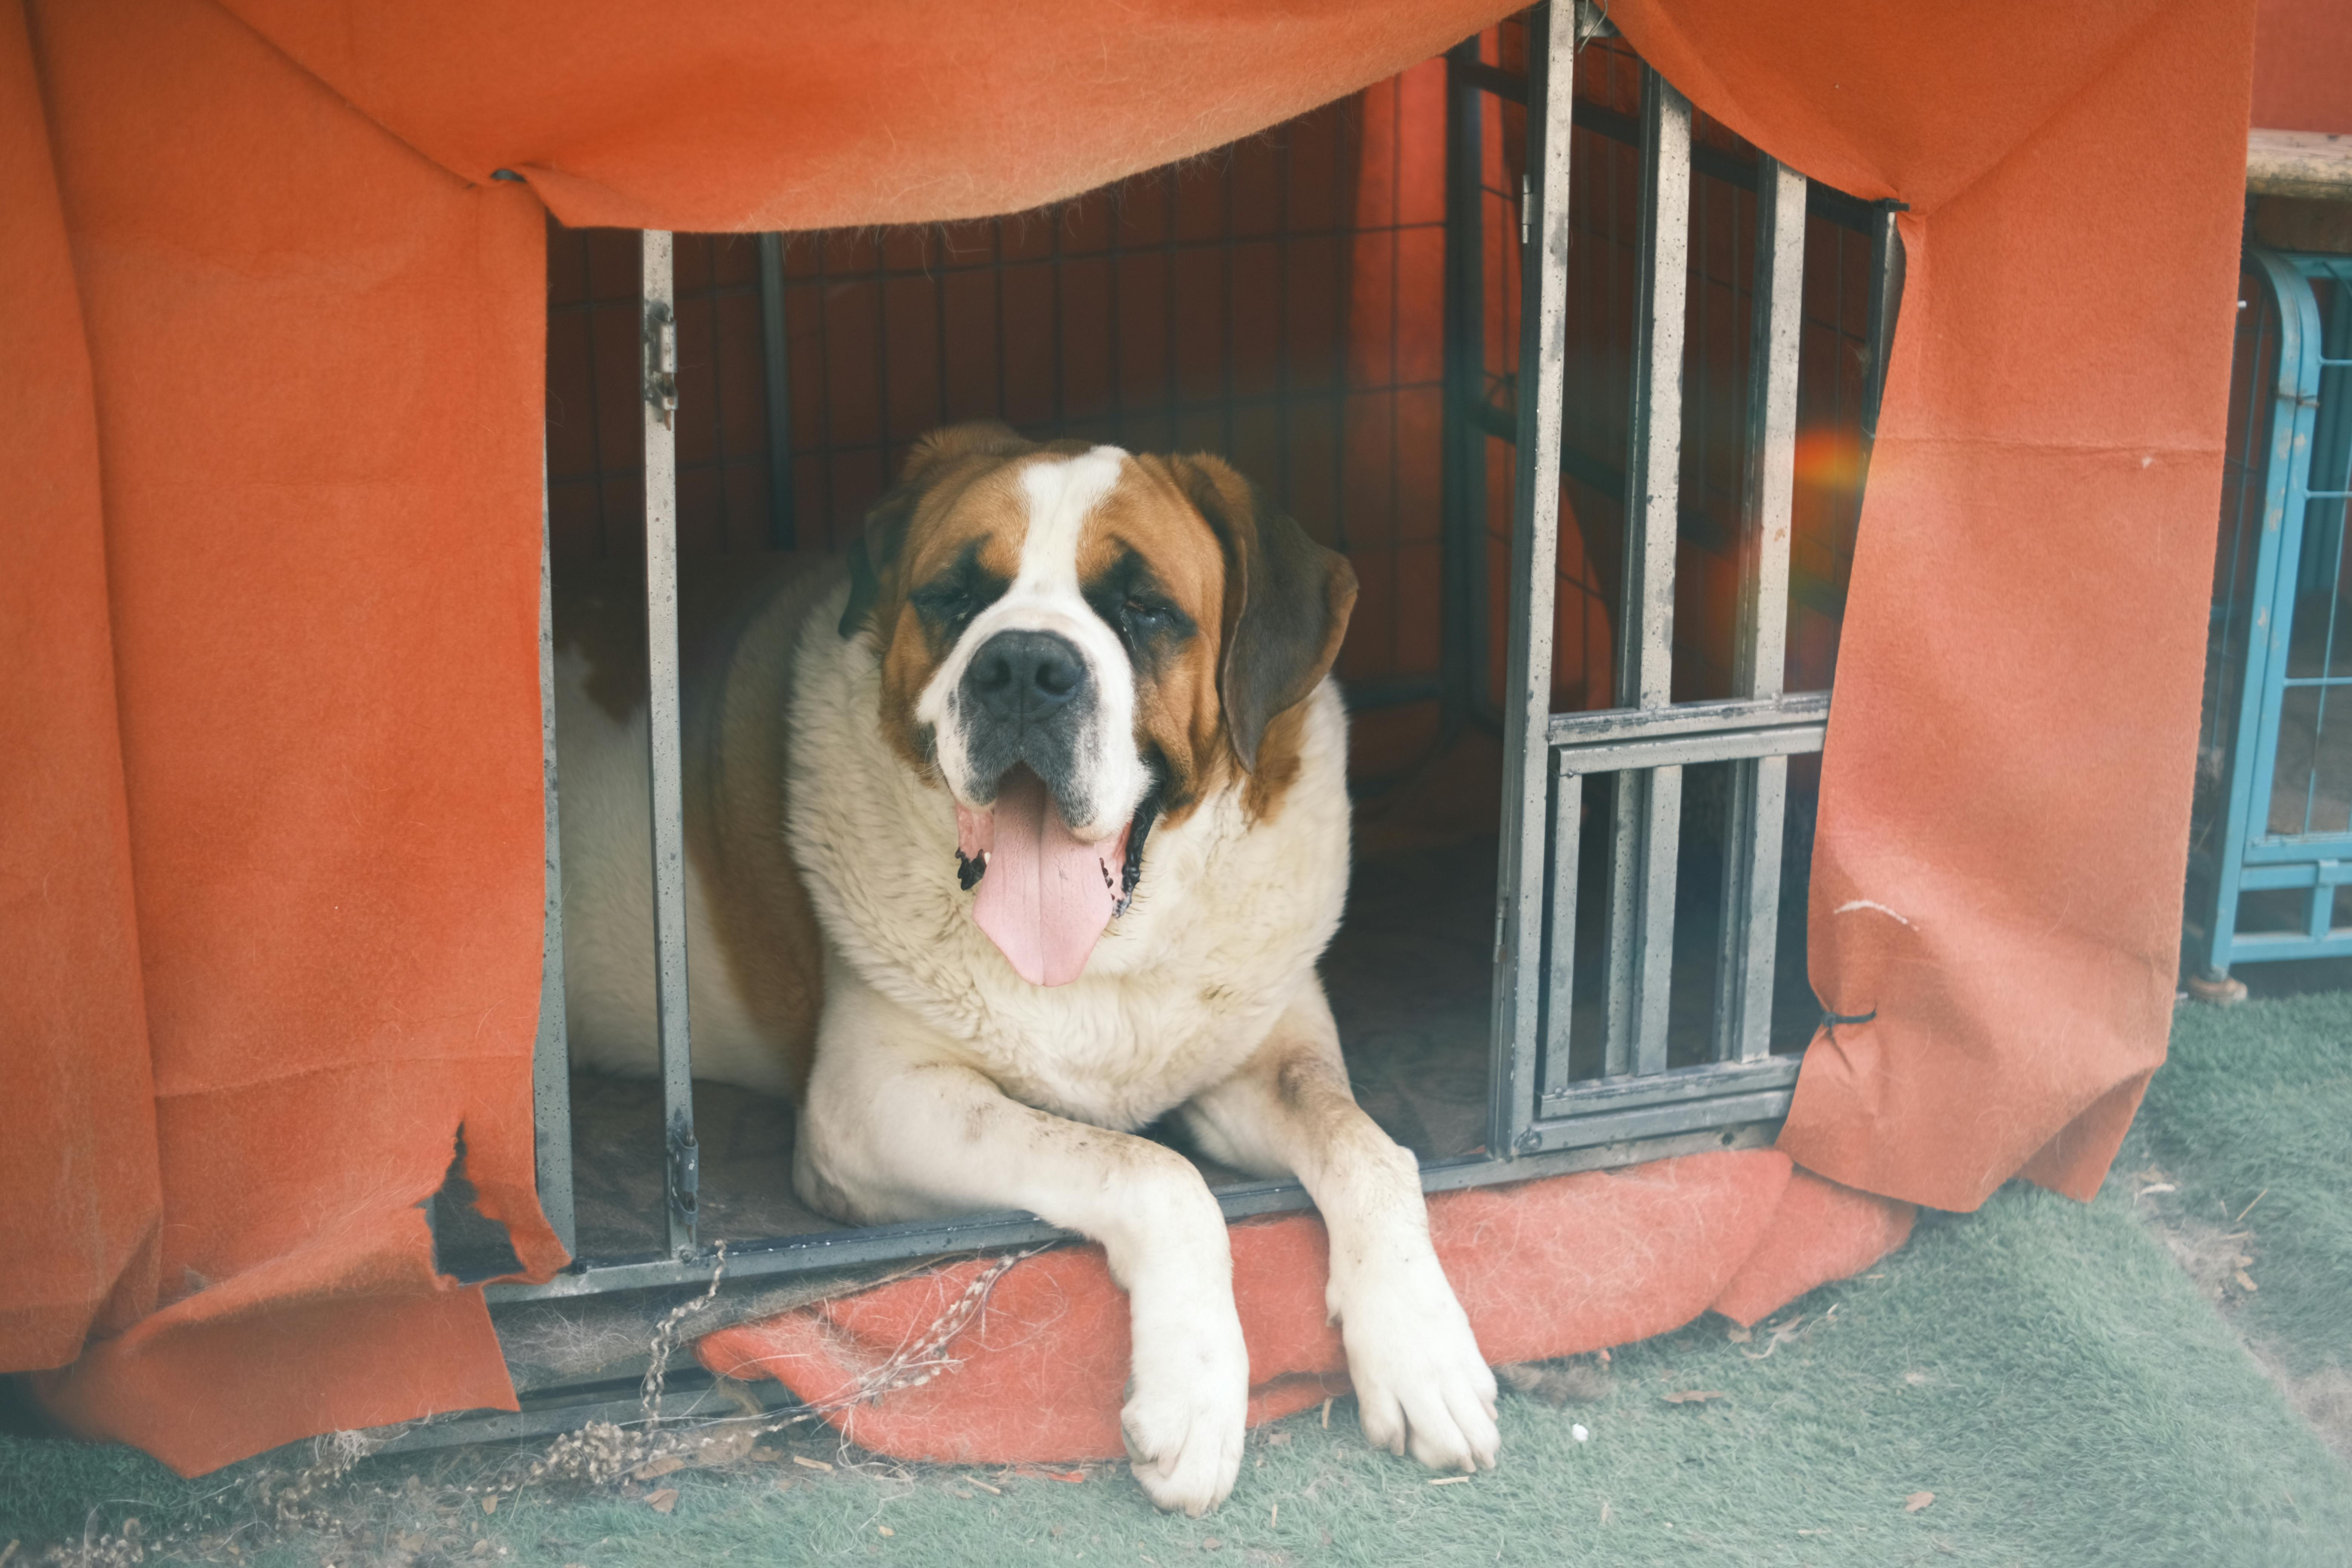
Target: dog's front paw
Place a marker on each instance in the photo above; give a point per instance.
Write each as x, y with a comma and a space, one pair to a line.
1420, 1382
1184, 1419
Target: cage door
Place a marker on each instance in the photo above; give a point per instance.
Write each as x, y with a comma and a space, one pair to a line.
1645, 746
2287, 833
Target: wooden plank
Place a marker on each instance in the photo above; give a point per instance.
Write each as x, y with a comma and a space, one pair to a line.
2310, 164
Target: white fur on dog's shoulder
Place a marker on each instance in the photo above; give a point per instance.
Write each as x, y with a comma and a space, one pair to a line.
1227, 922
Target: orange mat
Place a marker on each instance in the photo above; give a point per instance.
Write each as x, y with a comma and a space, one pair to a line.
1546, 1268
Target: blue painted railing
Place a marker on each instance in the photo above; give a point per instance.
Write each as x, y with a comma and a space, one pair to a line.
2274, 838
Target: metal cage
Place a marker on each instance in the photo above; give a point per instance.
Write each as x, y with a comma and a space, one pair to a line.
1584, 1070
2273, 830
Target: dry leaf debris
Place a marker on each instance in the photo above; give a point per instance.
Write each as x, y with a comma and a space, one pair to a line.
1557, 1382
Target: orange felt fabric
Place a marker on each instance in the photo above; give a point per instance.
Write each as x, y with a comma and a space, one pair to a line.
1820, 1232
2303, 66
315, 365
2004, 811
1551, 1267
719, 115
78, 1179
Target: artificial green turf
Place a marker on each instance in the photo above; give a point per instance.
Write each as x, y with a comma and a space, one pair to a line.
2042, 1367
2252, 1115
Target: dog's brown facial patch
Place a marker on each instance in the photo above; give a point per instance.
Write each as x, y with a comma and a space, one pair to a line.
940, 548
1151, 567
962, 549
1280, 609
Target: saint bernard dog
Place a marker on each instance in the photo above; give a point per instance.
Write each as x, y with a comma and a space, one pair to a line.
1021, 833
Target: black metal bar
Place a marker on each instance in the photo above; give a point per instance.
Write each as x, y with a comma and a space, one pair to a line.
1461, 444
1885, 305
1475, 74
1847, 211
775, 362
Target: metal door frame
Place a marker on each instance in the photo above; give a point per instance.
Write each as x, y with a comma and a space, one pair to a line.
1541, 1121
2248, 857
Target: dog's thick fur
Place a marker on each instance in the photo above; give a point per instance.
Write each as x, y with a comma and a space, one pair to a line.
836, 956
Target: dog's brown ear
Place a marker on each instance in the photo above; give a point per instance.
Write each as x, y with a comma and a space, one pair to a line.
872, 553
1286, 602
877, 545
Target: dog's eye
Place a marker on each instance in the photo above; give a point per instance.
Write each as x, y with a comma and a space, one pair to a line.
1148, 610
944, 602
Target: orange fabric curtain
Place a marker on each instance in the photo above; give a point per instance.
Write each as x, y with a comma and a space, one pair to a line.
2004, 817
304, 539
79, 1214
716, 115
2303, 66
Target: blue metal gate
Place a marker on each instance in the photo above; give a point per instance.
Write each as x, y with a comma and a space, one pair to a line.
2274, 831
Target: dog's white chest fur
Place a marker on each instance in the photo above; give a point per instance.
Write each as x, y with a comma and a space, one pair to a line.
1227, 921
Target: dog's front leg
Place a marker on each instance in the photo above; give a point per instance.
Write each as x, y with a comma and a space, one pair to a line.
892, 1128
1421, 1382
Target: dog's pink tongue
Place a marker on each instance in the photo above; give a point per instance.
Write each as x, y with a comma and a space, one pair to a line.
1046, 896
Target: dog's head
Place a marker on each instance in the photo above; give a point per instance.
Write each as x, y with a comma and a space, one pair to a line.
1076, 642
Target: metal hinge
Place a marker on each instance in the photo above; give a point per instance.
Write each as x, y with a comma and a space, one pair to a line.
661, 360
1527, 205
685, 1175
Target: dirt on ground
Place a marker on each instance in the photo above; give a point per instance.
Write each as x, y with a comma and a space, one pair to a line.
442, 1508
2222, 1261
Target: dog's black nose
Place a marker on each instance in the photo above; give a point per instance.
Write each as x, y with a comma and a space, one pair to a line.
1017, 675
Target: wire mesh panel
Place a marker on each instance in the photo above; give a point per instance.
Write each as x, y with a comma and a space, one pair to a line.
2273, 830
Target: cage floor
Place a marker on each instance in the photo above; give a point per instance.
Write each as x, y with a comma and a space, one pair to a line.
1409, 977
